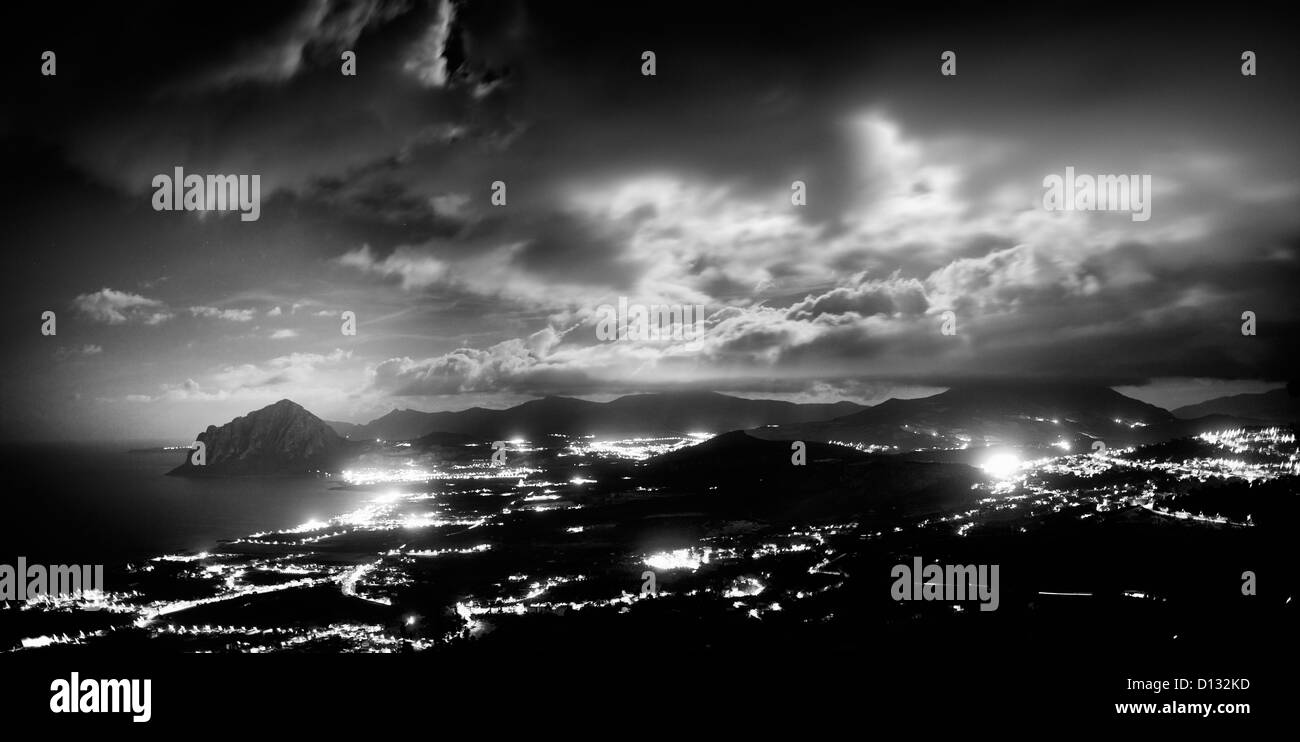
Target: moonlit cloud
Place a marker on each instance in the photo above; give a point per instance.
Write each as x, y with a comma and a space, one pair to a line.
413, 269
315, 27
230, 315
923, 197
427, 62
119, 307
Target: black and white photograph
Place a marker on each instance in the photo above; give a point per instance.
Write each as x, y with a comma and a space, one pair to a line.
597, 366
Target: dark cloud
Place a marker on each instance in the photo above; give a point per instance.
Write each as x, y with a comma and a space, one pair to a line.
922, 198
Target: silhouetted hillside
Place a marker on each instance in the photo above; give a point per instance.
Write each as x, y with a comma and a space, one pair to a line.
666, 413
1276, 406
282, 438
989, 414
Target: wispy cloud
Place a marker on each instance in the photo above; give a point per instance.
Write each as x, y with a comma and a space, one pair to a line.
115, 307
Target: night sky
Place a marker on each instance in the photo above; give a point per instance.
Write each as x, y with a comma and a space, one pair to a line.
923, 195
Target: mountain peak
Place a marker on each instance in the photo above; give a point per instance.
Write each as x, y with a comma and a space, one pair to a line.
281, 438
283, 406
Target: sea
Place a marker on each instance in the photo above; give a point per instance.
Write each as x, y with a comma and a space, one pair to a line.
109, 503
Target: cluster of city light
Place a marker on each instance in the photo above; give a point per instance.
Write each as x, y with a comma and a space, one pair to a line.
819, 532
38, 642
1241, 440
545, 506
308, 527
538, 588
1204, 469
822, 567
391, 475
471, 609
267, 540
409, 474
633, 449
1276, 444
181, 557
361, 637
353, 577
758, 611
690, 559
1083, 465
869, 447
1196, 468
744, 587
1185, 515
478, 471
356, 637
477, 549
231, 570
376, 516
770, 549
81, 600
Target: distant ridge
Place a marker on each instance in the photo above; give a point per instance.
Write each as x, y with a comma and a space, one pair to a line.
1277, 406
738, 453
280, 439
662, 413
990, 413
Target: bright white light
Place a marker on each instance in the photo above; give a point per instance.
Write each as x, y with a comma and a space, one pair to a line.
1002, 465
743, 587
381, 476
680, 559
1063, 444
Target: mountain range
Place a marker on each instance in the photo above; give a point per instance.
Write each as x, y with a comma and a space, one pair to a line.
1004, 413
1275, 406
674, 413
284, 438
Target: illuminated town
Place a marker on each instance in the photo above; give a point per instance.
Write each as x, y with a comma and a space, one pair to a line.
445, 551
